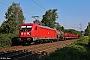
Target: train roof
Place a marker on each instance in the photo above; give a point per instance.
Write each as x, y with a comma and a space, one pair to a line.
47, 27
37, 25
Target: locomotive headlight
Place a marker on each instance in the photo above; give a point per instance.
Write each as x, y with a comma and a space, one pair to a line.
21, 33
28, 33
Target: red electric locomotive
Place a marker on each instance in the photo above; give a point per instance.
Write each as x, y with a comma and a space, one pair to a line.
31, 32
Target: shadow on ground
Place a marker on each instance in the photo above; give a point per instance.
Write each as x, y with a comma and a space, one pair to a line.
15, 41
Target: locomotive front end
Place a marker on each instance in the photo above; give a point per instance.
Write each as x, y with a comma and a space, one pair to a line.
25, 31
25, 34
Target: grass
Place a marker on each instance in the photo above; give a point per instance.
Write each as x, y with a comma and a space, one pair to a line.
76, 51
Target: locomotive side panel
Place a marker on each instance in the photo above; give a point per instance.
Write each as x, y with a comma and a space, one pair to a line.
34, 31
42, 32
46, 33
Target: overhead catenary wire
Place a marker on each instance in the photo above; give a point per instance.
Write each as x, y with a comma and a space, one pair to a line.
26, 11
39, 5
65, 22
42, 6
42, 3
70, 25
9, 5
4, 3
35, 3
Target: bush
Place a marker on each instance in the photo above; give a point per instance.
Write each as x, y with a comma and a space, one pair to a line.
6, 39
76, 51
89, 43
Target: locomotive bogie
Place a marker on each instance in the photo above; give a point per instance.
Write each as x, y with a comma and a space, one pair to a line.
25, 40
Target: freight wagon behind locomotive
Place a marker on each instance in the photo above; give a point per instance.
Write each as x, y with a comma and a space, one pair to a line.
70, 36
31, 32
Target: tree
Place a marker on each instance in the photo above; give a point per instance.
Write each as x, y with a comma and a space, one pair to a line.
62, 28
87, 30
38, 22
0, 29
59, 27
50, 17
73, 31
14, 17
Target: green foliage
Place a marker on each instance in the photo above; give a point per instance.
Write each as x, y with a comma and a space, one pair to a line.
89, 41
62, 28
9, 28
0, 29
14, 17
50, 17
87, 30
6, 39
38, 22
59, 27
72, 31
77, 51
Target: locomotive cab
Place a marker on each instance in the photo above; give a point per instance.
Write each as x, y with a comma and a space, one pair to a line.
25, 33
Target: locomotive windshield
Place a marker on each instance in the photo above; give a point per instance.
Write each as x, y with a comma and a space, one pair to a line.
26, 28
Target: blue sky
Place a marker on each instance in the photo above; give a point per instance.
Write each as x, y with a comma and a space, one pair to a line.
70, 12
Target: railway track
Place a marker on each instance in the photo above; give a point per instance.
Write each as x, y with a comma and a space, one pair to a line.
33, 51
